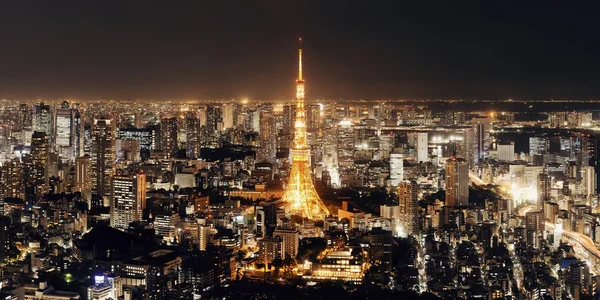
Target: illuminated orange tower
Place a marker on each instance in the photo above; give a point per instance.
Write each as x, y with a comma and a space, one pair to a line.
300, 191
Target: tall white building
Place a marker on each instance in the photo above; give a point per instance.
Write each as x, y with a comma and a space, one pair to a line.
396, 168
422, 147
127, 199
345, 144
506, 152
588, 182
393, 213
63, 133
229, 115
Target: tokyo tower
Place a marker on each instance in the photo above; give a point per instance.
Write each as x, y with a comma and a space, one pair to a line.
300, 191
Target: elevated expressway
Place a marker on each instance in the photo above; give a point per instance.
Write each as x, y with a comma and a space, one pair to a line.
584, 247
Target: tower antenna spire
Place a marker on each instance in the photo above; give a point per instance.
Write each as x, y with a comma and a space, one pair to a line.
300, 193
300, 60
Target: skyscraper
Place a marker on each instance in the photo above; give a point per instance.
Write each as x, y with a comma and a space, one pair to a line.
230, 113
103, 154
127, 199
345, 143
422, 147
409, 206
289, 118
78, 134
300, 191
268, 135
11, 177
543, 189
39, 161
42, 120
213, 118
457, 182
168, 130
83, 178
313, 117
481, 130
396, 168
588, 182
67, 124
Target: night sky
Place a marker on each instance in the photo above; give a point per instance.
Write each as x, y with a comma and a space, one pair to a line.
353, 49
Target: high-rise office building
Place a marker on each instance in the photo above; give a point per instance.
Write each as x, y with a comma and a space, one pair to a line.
422, 147
543, 189
165, 226
457, 182
466, 149
409, 206
588, 183
62, 132
345, 144
538, 145
11, 176
288, 119
78, 134
313, 117
103, 154
40, 154
67, 132
230, 115
168, 131
203, 237
481, 134
25, 116
192, 130
396, 168
83, 178
270, 249
213, 119
291, 240
127, 199
506, 151
42, 120
392, 212
148, 139
380, 253
268, 135
534, 224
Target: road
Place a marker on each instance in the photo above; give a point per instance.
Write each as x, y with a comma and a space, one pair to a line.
476, 180
582, 240
586, 242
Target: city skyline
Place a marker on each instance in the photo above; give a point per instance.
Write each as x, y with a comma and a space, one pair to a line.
239, 187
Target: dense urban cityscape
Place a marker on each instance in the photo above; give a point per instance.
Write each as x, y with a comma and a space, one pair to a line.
239, 198
265, 149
